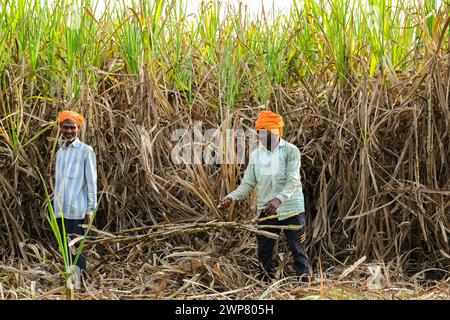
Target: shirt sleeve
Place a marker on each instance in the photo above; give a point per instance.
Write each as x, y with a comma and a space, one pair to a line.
91, 178
292, 176
57, 185
247, 185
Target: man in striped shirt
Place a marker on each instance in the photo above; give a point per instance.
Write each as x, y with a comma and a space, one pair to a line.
75, 195
274, 170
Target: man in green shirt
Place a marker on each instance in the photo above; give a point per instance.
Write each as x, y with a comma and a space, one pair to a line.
274, 170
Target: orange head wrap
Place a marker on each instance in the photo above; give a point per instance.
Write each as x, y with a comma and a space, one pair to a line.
270, 121
70, 115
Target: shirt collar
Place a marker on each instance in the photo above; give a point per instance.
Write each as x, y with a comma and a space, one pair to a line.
75, 144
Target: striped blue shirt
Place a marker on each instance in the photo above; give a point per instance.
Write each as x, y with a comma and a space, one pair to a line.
75, 181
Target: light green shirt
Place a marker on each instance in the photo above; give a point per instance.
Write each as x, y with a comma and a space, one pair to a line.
275, 174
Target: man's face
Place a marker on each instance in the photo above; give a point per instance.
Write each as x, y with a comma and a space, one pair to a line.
69, 130
267, 138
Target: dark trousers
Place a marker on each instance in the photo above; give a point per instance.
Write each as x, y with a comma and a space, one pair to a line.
266, 245
73, 226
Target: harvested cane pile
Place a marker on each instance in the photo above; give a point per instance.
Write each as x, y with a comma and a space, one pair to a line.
374, 138
174, 262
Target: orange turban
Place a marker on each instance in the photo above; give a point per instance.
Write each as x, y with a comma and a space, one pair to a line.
70, 115
270, 121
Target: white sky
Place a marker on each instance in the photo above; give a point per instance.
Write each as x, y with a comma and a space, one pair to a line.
254, 6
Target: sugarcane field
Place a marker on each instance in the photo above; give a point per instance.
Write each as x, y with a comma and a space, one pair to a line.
224, 150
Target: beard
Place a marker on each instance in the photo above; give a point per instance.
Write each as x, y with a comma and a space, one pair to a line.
70, 139
269, 141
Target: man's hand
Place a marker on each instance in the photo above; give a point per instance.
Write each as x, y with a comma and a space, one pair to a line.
88, 217
272, 206
225, 203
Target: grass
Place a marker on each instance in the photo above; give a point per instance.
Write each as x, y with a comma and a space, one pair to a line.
62, 242
355, 37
